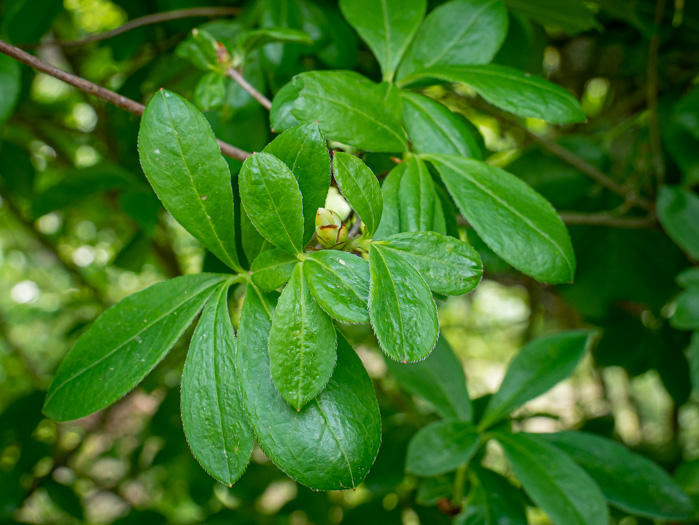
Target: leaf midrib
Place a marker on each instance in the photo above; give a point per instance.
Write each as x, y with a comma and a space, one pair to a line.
361, 190
395, 294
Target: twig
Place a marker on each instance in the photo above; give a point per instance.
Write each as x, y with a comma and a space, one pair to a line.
140, 22
238, 77
105, 94
652, 95
607, 219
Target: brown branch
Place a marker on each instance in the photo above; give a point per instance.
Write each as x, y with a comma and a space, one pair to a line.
140, 22
609, 220
238, 77
98, 91
652, 96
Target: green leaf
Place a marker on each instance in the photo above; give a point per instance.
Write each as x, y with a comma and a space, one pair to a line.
402, 311
183, 163
10, 85
255, 39
686, 113
516, 222
210, 92
539, 365
280, 117
492, 501
553, 481
212, 412
272, 200
273, 268
301, 344
572, 16
433, 128
441, 447
349, 109
449, 266
333, 441
460, 32
678, 212
688, 277
439, 380
124, 344
417, 198
629, 481
305, 153
515, 91
387, 27
360, 187
339, 282
686, 315
390, 215
693, 358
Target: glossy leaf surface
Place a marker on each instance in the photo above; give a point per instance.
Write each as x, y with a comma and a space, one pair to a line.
417, 198
273, 268
390, 215
360, 187
686, 315
441, 447
492, 500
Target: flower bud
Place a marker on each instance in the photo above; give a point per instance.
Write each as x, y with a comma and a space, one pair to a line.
330, 231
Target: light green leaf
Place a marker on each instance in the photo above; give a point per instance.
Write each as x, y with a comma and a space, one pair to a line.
629, 481
460, 32
515, 91
553, 481
433, 128
686, 315
333, 441
183, 163
539, 365
273, 268
305, 153
439, 379
301, 344
280, 117
417, 198
516, 222
257, 38
492, 501
387, 26
678, 212
402, 311
360, 187
10, 78
212, 412
210, 92
688, 277
449, 266
390, 215
441, 447
272, 200
339, 281
107, 363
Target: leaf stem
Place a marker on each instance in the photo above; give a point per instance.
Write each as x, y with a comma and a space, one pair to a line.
459, 483
237, 76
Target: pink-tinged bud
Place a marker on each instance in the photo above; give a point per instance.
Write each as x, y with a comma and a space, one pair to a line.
330, 231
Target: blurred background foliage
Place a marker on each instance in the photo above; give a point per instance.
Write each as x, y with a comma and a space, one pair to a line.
81, 229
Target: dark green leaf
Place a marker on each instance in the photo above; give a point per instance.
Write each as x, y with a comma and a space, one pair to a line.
688, 277
253, 243
460, 32
686, 315
417, 198
552, 479
402, 311
629, 481
433, 128
517, 223
124, 344
333, 441
210, 91
301, 344
25, 21
273, 268
10, 77
390, 215
678, 212
212, 412
280, 117
441, 447
539, 365
492, 501
572, 16
65, 498
251, 40
693, 358
686, 113
272, 200
515, 91
183, 163
304, 151
359, 186
387, 27
339, 281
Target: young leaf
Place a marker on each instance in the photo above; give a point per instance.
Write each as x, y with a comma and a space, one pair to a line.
333, 441
539, 365
460, 32
339, 281
212, 412
553, 481
401, 308
301, 344
439, 379
210, 92
106, 363
441, 447
629, 481
686, 315
349, 109
360, 187
305, 153
678, 212
492, 501
387, 27
10, 77
515, 91
251, 40
272, 200
183, 163
390, 215
514, 221
272, 268
449, 266
417, 198
433, 128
